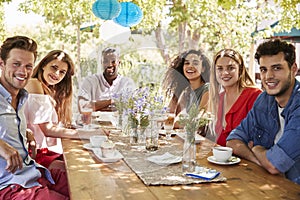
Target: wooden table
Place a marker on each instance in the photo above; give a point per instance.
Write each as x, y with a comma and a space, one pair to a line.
91, 179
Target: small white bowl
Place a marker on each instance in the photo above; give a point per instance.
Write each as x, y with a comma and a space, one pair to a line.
221, 153
97, 140
108, 149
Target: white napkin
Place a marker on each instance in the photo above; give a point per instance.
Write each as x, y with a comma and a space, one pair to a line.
204, 173
165, 159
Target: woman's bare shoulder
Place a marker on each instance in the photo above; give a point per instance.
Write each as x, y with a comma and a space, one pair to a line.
34, 86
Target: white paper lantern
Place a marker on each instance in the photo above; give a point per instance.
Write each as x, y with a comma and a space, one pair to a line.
114, 33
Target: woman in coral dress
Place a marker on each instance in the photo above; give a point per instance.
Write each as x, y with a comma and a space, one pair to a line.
232, 92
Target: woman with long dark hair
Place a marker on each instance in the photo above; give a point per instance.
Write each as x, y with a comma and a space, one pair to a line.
187, 79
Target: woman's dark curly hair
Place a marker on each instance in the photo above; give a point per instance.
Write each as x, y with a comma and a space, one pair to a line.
175, 79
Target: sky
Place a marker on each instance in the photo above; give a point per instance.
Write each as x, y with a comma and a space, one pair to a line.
13, 17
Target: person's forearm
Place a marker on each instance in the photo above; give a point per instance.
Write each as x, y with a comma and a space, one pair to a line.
52, 130
11, 155
242, 150
260, 154
101, 104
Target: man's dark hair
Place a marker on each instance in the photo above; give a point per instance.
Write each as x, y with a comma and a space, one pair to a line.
275, 46
108, 50
18, 42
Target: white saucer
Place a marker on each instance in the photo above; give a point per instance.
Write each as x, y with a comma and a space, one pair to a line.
233, 160
96, 114
95, 126
103, 116
118, 156
115, 131
83, 130
88, 146
163, 133
160, 117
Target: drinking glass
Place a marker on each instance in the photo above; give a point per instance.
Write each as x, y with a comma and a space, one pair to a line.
168, 125
152, 135
86, 115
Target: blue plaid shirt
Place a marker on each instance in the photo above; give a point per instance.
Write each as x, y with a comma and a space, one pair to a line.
13, 131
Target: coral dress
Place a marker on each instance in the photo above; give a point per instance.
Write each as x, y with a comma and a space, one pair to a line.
236, 114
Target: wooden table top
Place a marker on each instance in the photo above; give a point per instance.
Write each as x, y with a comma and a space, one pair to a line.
91, 179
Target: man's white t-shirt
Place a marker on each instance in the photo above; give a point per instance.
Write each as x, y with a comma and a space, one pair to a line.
95, 87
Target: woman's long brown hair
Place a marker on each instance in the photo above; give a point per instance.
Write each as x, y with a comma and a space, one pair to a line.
244, 80
61, 92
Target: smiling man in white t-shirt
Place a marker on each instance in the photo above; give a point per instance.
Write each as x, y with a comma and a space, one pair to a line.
99, 88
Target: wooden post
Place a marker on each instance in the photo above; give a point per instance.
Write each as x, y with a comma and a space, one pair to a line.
78, 69
251, 62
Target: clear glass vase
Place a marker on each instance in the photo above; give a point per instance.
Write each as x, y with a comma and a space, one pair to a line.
133, 135
133, 129
123, 124
142, 131
152, 136
120, 120
189, 153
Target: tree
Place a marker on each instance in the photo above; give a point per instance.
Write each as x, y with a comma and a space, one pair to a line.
209, 24
63, 15
288, 14
2, 29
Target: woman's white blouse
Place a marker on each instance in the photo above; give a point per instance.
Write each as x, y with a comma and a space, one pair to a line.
39, 109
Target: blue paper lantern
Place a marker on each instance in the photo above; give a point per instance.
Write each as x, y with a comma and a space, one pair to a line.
130, 15
106, 9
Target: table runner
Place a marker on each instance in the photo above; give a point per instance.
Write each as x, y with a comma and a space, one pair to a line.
151, 173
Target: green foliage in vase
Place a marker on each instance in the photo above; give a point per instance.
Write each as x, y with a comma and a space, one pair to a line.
144, 120
133, 121
194, 119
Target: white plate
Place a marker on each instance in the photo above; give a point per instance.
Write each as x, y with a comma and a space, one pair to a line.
95, 126
165, 159
198, 138
118, 156
106, 116
160, 118
96, 113
88, 146
163, 133
233, 160
92, 127
82, 130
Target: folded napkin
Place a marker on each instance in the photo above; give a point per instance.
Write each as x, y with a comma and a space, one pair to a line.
203, 173
165, 159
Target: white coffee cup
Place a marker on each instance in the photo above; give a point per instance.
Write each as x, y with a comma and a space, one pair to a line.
221, 153
97, 140
108, 149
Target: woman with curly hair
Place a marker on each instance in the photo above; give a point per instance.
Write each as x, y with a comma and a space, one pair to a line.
187, 80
